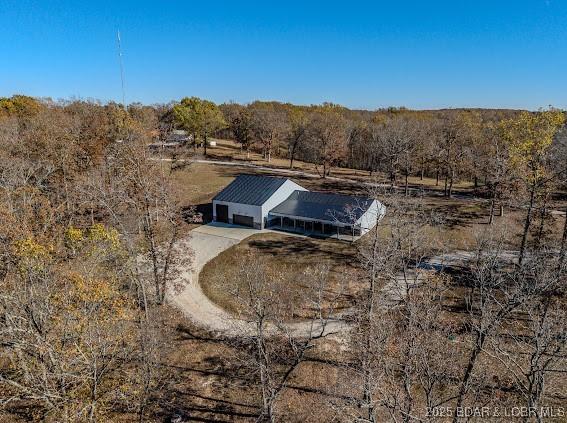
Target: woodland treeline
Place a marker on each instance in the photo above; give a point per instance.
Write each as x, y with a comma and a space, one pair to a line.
447, 145
507, 154
90, 222
87, 226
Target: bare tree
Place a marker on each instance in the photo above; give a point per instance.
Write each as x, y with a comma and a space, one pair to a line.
532, 346
273, 349
500, 177
269, 125
496, 293
389, 259
297, 134
398, 140
328, 134
136, 193
240, 124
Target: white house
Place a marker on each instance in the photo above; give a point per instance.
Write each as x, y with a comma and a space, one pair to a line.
263, 201
249, 198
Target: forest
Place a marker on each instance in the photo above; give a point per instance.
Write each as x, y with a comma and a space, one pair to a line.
91, 223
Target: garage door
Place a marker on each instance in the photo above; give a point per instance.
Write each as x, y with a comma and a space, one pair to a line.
222, 213
238, 219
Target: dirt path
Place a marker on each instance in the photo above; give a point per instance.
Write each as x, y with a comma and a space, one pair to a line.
290, 172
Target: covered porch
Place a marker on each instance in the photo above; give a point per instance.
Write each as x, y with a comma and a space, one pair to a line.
313, 227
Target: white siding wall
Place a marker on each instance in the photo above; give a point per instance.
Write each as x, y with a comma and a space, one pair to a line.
369, 219
242, 209
259, 212
366, 222
279, 197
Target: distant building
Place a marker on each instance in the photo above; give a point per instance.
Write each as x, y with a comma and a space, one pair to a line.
180, 136
174, 140
269, 202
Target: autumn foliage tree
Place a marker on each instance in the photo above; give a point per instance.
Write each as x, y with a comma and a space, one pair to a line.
269, 125
239, 121
530, 137
329, 135
80, 207
67, 321
201, 118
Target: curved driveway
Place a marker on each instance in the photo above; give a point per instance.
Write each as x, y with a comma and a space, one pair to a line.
207, 242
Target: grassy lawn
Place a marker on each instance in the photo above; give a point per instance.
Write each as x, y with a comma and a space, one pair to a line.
291, 255
198, 183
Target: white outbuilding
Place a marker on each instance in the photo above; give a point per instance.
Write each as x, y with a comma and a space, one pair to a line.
279, 203
249, 198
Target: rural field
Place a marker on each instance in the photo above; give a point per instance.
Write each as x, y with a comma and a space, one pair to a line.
126, 295
294, 212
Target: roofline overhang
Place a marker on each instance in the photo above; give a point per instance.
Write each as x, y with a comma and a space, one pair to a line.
237, 202
309, 219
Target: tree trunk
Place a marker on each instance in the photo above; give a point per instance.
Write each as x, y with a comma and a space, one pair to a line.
292, 155
563, 243
406, 189
269, 150
468, 373
492, 207
527, 224
451, 180
367, 396
501, 209
437, 178
541, 223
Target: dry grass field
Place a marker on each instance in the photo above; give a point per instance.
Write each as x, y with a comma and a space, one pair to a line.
293, 256
206, 380
230, 151
459, 218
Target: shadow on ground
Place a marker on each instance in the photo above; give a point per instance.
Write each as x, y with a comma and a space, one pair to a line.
341, 253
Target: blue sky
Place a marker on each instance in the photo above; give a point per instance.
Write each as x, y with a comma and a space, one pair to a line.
418, 54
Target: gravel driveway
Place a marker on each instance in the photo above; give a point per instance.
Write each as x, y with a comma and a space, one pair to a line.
207, 242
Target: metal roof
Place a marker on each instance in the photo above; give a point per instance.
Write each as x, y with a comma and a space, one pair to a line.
323, 206
250, 189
